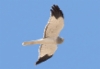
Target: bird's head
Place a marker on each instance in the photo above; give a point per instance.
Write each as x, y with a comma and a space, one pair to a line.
60, 40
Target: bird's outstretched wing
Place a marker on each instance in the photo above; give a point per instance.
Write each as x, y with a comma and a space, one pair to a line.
52, 30
55, 23
46, 51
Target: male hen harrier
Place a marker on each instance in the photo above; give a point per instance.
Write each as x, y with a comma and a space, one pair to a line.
51, 35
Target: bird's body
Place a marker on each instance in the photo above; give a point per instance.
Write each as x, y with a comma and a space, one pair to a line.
57, 40
50, 40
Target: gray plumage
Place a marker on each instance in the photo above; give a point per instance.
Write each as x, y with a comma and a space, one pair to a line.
60, 40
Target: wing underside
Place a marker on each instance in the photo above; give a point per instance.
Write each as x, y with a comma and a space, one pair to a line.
55, 23
46, 51
44, 58
52, 30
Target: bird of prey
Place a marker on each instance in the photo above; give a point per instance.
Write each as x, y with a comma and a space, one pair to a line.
50, 40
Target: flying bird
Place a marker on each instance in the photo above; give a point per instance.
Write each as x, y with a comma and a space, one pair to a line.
51, 38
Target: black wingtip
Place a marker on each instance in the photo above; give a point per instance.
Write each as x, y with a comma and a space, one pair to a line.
42, 59
56, 12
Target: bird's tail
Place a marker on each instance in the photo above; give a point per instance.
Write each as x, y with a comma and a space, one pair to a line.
32, 42
40, 41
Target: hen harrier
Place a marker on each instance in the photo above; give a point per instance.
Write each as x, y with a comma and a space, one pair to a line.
51, 35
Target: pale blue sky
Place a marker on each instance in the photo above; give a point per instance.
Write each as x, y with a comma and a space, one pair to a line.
23, 20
